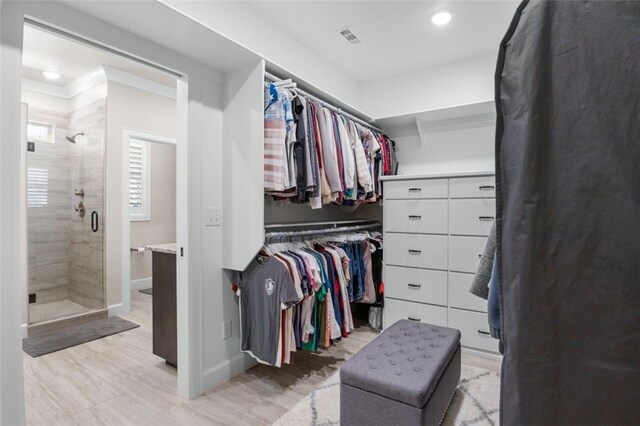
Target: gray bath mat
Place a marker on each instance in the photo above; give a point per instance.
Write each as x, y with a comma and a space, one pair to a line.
146, 291
75, 335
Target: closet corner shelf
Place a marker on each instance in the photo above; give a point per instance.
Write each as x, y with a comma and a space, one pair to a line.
424, 123
438, 175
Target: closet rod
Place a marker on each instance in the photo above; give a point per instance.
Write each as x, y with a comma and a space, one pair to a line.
275, 79
333, 230
306, 224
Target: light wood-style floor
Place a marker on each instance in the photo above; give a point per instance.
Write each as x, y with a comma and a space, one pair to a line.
118, 381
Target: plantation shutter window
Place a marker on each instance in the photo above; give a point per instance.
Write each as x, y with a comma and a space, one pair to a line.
139, 185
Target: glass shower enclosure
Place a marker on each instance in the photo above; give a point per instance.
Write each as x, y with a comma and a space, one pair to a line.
65, 205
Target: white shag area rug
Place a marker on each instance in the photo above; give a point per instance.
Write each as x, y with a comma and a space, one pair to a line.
475, 402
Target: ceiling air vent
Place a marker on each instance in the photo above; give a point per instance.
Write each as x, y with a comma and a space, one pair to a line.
349, 36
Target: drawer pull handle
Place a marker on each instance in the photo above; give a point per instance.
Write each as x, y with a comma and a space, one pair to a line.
415, 189
415, 217
415, 251
486, 333
415, 285
487, 187
483, 218
414, 319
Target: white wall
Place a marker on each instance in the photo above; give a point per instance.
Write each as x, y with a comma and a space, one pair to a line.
161, 229
53, 103
89, 96
464, 144
135, 109
455, 83
250, 28
243, 198
455, 150
221, 358
11, 222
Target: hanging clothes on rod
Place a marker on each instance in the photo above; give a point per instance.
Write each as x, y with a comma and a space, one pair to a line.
288, 83
316, 154
297, 293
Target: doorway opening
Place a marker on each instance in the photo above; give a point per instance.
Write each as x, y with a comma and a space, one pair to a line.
80, 103
149, 210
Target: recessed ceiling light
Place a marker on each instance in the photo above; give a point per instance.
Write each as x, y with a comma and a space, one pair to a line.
441, 18
51, 75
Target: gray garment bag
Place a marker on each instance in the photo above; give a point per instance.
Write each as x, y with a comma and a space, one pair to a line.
568, 213
480, 284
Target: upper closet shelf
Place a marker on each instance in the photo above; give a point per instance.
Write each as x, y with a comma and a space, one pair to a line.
424, 123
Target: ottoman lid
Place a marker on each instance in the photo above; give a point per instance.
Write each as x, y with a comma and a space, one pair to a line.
404, 363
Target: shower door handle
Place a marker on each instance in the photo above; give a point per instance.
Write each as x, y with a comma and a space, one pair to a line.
94, 221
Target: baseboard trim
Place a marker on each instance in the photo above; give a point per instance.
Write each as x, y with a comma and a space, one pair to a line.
141, 283
25, 330
117, 309
226, 370
482, 354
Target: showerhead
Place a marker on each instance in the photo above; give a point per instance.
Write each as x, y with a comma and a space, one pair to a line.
72, 139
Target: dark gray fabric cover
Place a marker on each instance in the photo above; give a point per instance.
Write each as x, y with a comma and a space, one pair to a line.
403, 363
480, 283
568, 201
360, 407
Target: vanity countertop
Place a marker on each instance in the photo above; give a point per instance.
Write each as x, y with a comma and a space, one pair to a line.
163, 248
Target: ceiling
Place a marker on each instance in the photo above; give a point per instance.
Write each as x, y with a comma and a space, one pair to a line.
397, 36
44, 51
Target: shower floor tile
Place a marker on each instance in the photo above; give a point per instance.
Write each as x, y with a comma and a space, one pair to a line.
55, 310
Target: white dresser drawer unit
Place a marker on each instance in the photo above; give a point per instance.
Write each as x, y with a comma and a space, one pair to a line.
465, 253
416, 216
471, 216
395, 310
475, 187
459, 295
419, 285
435, 232
416, 250
474, 327
416, 189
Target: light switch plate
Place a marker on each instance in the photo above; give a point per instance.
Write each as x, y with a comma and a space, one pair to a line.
212, 216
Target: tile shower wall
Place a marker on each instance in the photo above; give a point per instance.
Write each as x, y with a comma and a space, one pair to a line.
86, 171
49, 211
65, 255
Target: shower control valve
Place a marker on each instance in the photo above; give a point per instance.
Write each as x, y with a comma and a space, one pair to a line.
80, 209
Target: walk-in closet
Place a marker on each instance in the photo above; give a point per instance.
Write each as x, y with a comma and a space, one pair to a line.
374, 212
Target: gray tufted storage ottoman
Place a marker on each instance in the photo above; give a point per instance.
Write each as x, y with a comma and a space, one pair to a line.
405, 376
